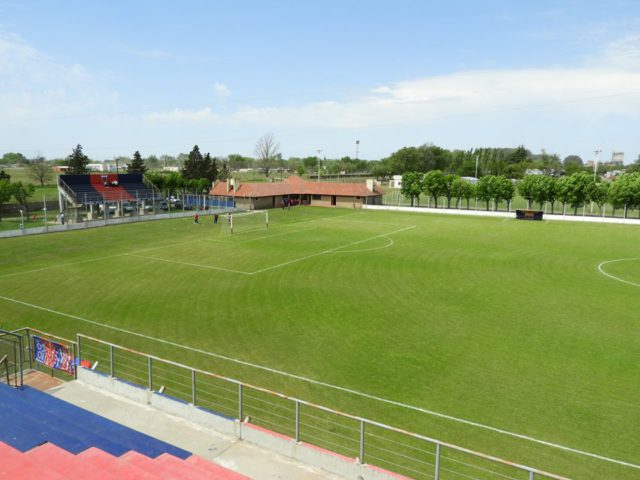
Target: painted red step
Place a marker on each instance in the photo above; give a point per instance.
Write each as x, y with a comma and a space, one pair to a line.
66, 463
147, 464
181, 469
215, 469
15, 464
117, 468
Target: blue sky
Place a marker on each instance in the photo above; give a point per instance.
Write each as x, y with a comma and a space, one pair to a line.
159, 76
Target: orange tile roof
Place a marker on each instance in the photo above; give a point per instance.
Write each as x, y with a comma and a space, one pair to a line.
295, 185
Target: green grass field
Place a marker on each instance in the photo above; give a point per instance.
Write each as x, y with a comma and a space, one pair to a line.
505, 323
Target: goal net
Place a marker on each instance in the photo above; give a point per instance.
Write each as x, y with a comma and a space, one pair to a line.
248, 221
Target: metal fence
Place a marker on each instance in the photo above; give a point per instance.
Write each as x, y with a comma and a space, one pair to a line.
11, 349
367, 441
108, 220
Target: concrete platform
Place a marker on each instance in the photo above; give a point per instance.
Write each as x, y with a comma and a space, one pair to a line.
234, 454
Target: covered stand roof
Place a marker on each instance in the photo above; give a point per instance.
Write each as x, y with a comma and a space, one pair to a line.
295, 185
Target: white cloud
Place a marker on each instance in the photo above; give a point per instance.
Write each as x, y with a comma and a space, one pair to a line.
178, 115
221, 90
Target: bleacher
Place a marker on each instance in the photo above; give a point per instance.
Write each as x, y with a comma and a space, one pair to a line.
100, 188
42, 435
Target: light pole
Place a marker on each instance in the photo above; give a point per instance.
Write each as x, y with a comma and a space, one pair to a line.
319, 152
357, 145
596, 153
21, 220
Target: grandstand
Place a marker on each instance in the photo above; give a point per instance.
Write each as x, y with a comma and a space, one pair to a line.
77, 191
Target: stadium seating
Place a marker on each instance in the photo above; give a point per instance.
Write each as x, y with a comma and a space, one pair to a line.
98, 188
52, 462
41, 435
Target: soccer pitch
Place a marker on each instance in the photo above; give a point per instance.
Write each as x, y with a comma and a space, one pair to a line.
529, 328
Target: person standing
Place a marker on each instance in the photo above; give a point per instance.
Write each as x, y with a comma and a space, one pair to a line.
62, 218
215, 218
195, 218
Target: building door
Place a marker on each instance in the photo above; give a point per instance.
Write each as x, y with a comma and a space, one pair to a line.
333, 200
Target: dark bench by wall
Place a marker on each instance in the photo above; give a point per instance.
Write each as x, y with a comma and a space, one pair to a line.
529, 214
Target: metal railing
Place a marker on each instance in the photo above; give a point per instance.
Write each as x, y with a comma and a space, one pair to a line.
394, 449
28, 360
3, 361
11, 348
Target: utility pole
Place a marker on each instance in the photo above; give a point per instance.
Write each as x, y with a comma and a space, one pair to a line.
319, 152
357, 145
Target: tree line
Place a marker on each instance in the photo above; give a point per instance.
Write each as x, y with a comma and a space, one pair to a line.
575, 190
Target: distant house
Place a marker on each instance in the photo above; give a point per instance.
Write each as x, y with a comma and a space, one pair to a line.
533, 171
294, 189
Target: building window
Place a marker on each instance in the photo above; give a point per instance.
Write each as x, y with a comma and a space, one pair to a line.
316, 197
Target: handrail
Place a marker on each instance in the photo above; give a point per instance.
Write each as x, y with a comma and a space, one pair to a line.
68, 190
530, 470
6, 367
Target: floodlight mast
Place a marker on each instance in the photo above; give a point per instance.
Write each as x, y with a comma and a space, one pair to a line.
596, 154
319, 152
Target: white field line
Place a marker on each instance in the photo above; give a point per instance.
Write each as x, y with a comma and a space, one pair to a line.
331, 250
613, 276
198, 265
59, 265
328, 385
389, 244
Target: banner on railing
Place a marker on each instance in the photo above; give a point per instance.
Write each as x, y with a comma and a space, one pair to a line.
53, 355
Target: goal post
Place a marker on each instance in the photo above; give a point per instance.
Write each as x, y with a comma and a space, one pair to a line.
248, 221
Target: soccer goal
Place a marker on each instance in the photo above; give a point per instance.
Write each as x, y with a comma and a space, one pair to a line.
248, 221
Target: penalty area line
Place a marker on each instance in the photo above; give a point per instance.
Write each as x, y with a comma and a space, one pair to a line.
328, 385
198, 265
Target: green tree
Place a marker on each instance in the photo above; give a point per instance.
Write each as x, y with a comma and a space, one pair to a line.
572, 164
22, 192
625, 192
40, 171
519, 155
580, 187
14, 158
563, 189
381, 169
407, 159
434, 185
194, 167
4, 175
527, 188
634, 167
137, 164
599, 194
213, 170
484, 189
224, 172
502, 189
459, 189
77, 161
448, 188
6, 192
412, 185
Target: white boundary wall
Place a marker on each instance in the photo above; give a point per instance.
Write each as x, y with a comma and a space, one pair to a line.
485, 213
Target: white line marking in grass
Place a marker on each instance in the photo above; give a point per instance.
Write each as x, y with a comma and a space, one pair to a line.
389, 244
613, 276
69, 264
331, 250
198, 265
328, 385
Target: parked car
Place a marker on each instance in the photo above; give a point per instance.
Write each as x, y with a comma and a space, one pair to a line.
127, 207
164, 206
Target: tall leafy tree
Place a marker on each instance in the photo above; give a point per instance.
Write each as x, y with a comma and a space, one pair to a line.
6, 192
77, 161
137, 164
434, 185
4, 175
599, 194
527, 188
412, 185
502, 189
22, 192
580, 185
484, 189
459, 189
